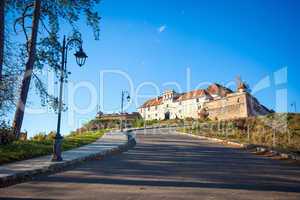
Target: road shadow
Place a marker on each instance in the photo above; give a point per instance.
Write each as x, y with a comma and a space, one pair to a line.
202, 164
181, 162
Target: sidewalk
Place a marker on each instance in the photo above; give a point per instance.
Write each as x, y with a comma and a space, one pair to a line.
25, 170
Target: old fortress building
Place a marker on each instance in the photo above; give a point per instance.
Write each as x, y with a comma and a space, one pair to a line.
216, 102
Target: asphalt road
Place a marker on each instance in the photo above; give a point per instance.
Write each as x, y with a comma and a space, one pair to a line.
169, 166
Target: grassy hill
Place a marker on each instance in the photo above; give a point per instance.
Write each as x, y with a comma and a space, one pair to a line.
276, 130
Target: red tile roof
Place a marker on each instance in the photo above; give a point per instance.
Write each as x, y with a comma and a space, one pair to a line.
152, 102
193, 94
216, 89
182, 97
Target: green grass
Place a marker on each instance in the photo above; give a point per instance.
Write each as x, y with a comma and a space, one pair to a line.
21, 150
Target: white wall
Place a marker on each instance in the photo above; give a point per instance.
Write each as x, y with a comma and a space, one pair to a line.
183, 109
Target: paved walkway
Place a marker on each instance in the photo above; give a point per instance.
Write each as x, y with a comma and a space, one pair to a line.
109, 142
169, 167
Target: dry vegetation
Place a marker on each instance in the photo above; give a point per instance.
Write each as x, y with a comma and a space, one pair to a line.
279, 131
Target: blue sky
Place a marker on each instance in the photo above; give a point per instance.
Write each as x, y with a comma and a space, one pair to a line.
184, 42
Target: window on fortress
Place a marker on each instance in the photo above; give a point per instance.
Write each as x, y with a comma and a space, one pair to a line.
167, 105
148, 108
238, 100
197, 100
155, 107
179, 102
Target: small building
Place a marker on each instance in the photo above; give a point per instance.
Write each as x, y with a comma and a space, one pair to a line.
215, 102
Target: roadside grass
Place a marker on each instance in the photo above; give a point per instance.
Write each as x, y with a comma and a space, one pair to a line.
21, 150
280, 131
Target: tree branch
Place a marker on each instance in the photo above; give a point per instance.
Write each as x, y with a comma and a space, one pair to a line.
42, 87
21, 21
45, 27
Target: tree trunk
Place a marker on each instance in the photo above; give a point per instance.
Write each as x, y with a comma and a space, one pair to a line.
2, 15
19, 114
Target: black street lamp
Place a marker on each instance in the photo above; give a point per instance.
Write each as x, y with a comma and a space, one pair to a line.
294, 104
80, 59
122, 105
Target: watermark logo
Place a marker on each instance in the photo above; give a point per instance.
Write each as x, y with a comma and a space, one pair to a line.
275, 82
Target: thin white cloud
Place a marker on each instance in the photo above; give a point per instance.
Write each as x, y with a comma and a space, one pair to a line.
161, 29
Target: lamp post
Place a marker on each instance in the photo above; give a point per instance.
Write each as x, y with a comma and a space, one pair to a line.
145, 119
122, 105
294, 104
80, 59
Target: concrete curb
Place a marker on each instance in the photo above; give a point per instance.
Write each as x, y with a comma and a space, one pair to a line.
257, 148
215, 140
273, 152
8, 178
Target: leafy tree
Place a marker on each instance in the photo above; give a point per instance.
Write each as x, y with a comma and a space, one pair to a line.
42, 47
2, 20
8, 69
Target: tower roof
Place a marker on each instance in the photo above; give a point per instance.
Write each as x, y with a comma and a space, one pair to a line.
217, 89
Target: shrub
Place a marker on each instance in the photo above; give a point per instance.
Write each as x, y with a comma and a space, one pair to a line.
6, 133
151, 122
138, 123
51, 135
40, 137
